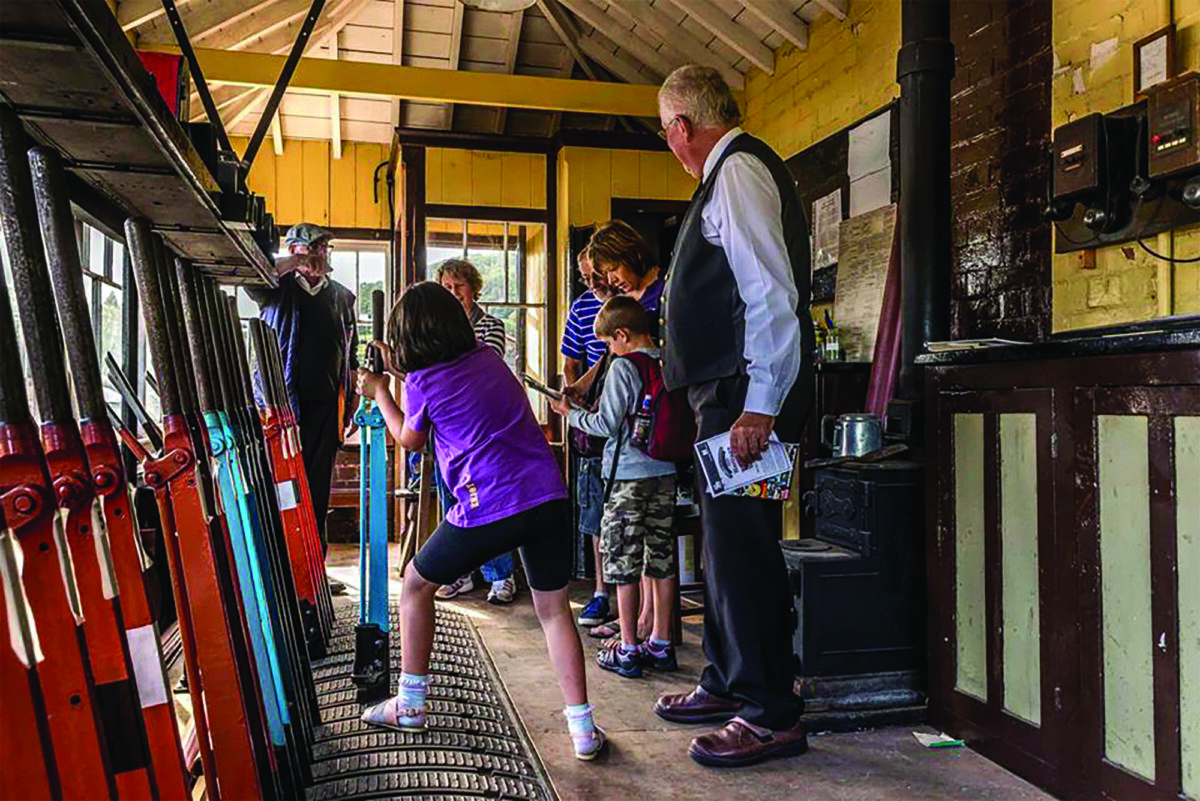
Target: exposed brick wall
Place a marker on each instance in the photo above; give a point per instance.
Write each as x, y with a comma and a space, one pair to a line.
1000, 134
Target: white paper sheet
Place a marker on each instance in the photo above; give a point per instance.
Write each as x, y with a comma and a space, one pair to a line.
870, 192
1103, 52
724, 474
862, 280
869, 149
1154, 63
827, 222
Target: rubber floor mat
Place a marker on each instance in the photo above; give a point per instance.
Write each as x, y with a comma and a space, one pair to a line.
475, 747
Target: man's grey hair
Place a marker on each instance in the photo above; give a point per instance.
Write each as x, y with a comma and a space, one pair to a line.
701, 95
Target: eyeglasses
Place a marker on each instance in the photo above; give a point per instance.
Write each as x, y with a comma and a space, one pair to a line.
667, 128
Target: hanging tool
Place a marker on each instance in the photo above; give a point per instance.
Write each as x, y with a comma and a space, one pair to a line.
372, 663
113, 509
39, 504
209, 624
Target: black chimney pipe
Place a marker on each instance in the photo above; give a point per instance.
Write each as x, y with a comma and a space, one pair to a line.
924, 68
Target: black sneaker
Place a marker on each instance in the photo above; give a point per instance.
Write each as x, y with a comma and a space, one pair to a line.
661, 659
614, 659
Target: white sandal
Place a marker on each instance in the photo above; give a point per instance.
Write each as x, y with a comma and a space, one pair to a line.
389, 715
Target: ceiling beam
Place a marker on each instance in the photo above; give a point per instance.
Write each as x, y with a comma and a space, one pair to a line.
835, 7
362, 79
511, 45
779, 16
133, 14
671, 32
277, 134
742, 41
568, 34
619, 64
621, 36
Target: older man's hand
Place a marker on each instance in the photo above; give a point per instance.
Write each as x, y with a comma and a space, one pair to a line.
749, 436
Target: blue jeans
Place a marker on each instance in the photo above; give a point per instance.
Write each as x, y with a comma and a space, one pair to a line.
497, 569
589, 495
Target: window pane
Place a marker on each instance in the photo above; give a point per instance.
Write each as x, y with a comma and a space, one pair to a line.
95, 261
344, 263
490, 264
509, 317
364, 339
110, 322
436, 255
118, 263
371, 271
247, 309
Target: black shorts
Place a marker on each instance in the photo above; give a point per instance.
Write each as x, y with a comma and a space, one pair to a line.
543, 534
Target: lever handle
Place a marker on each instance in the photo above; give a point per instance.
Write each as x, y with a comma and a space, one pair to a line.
140, 241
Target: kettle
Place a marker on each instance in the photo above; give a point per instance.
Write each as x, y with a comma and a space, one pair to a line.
853, 434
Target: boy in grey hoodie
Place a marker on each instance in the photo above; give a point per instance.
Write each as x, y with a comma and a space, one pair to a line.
635, 531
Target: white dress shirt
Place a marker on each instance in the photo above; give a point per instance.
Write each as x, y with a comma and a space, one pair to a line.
744, 218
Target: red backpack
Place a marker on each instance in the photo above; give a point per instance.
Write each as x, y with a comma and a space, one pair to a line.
663, 425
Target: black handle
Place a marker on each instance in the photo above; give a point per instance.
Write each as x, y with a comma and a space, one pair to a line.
275, 357
14, 403
377, 320
239, 347
128, 394
62, 256
173, 317
202, 286
235, 367
196, 333
140, 241
217, 345
266, 387
26, 259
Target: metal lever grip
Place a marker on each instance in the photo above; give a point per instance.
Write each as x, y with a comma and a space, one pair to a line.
377, 319
31, 282
62, 256
196, 333
139, 240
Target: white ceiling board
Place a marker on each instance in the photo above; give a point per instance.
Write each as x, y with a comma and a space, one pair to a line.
489, 24
427, 45
531, 54
475, 49
361, 38
427, 19
359, 131
377, 14
422, 61
601, 50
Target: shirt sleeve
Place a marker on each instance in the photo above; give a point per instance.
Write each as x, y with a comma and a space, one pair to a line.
744, 217
571, 347
260, 294
621, 387
416, 414
491, 333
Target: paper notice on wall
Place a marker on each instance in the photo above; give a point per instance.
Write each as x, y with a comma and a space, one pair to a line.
871, 192
866, 246
1077, 84
1153, 59
870, 146
1103, 52
827, 223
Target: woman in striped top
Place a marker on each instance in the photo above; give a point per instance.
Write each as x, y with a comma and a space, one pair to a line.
466, 284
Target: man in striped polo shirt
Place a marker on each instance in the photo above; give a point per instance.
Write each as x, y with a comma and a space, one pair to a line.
581, 349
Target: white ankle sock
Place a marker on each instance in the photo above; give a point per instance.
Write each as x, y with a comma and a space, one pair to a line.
413, 690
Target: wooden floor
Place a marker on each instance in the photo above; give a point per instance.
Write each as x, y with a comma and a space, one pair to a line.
648, 758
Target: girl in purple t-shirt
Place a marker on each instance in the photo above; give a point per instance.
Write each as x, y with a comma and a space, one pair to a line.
510, 495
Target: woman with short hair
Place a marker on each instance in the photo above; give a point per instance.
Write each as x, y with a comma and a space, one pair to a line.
621, 253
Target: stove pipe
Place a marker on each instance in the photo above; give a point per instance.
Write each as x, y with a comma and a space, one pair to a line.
924, 68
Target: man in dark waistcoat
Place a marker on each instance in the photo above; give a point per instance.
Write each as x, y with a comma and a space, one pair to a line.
738, 334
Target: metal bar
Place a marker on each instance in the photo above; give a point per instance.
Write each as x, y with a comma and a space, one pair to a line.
130, 399
281, 84
185, 45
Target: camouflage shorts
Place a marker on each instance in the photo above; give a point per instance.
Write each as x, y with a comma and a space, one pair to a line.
635, 532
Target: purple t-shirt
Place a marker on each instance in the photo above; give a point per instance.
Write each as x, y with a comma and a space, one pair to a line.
488, 445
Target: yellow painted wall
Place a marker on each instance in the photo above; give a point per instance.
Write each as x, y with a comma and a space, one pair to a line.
306, 184
482, 178
848, 71
1126, 284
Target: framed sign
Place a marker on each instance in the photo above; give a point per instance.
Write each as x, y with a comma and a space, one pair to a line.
1153, 60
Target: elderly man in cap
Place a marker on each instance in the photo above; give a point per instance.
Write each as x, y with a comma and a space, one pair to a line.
738, 334
314, 318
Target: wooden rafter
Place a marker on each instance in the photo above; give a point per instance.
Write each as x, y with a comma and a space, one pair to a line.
335, 106
247, 26
835, 7
742, 41
456, 29
667, 27
568, 34
622, 37
277, 134
133, 14
779, 16
617, 63
511, 45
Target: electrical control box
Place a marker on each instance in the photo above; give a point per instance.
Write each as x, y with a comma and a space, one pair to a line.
1174, 126
1079, 158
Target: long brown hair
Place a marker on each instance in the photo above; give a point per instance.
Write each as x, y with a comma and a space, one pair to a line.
428, 326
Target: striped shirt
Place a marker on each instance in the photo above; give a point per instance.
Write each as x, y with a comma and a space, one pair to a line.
488, 329
579, 337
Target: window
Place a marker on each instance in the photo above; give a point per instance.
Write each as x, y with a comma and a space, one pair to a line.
103, 262
511, 259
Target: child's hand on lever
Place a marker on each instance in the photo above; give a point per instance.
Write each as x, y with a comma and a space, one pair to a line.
370, 384
389, 361
561, 405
